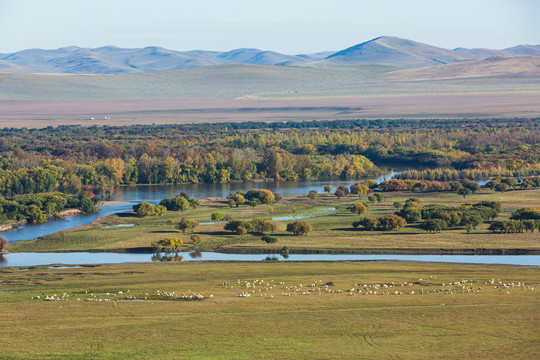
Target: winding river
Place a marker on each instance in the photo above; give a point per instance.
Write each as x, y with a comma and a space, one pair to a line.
126, 196
130, 195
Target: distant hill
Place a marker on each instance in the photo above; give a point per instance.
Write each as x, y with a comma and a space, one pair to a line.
115, 60
393, 51
497, 66
387, 50
383, 50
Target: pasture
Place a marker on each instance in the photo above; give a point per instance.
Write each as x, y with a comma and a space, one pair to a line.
376, 310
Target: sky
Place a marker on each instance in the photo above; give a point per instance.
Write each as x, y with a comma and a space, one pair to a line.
286, 26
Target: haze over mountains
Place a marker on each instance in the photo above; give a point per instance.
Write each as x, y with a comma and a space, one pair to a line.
113, 60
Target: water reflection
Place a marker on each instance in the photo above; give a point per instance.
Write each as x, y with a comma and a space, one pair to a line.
195, 255
166, 257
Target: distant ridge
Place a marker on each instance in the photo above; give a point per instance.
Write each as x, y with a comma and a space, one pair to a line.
384, 50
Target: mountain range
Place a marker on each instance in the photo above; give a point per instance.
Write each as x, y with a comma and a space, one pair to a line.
384, 50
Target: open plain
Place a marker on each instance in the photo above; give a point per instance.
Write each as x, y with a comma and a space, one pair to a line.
376, 310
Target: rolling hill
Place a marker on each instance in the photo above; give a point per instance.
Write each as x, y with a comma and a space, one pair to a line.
383, 50
510, 67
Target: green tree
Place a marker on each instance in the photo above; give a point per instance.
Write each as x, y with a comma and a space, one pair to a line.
464, 192
186, 224
217, 216
254, 202
87, 206
35, 215
434, 225
160, 209
328, 188
194, 203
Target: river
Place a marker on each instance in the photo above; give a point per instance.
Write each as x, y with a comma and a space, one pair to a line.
79, 258
132, 195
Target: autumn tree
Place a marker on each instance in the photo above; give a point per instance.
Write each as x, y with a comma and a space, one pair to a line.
358, 208
3, 243
299, 227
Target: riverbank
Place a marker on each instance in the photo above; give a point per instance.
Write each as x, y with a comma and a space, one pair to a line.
284, 310
61, 215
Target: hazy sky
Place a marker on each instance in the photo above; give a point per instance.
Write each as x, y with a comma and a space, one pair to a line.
287, 26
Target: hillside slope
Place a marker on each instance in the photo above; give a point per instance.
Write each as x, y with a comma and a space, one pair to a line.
526, 67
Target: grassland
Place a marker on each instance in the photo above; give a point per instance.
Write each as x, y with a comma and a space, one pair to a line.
441, 311
333, 231
269, 93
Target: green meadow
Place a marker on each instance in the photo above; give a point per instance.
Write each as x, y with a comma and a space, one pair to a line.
372, 310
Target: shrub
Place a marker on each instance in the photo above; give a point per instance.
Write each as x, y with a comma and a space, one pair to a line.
388, 222
177, 203
264, 196
196, 239
269, 239
144, 209
526, 214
